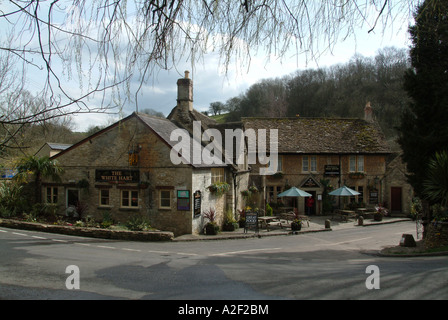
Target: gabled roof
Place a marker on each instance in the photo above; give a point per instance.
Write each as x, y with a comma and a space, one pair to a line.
323, 135
54, 146
160, 126
58, 146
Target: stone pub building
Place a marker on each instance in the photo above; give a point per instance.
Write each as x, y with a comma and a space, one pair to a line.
125, 170
351, 152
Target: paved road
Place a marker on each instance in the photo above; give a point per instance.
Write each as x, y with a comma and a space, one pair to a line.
327, 265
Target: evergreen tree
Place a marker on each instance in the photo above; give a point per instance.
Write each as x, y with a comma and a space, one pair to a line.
423, 130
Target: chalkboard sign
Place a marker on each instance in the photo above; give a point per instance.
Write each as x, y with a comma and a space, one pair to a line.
251, 220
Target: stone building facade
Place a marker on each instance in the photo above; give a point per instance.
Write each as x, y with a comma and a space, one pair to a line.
398, 192
324, 153
126, 170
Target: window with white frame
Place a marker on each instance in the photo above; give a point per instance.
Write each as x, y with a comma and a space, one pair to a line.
360, 163
356, 163
129, 198
52, 195
164, 199
305, 164
309, 163
218, 175
313, 163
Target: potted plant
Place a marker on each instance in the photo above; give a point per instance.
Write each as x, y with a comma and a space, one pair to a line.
211, 228
230, 223
253, 189
242, 220
380, 211
296, 224
219, 188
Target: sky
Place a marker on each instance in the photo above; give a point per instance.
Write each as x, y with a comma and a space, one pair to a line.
210, 84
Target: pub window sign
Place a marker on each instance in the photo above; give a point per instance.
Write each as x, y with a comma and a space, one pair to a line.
183, 200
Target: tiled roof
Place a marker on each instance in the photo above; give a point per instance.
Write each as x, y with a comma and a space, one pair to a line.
163, 128
323, 135
58, 146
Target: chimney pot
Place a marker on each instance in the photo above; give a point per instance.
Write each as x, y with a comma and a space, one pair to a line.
368, 112
185, 93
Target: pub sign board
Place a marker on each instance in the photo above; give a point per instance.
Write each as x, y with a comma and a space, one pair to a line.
117, 176
251, 220
373, 196
197, 203
332, 170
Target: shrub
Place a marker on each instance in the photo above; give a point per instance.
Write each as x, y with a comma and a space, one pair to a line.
269, 210
107, 220
11, 200
137, 223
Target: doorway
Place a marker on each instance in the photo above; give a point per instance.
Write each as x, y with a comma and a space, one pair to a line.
72, 198
312, 210
395, 199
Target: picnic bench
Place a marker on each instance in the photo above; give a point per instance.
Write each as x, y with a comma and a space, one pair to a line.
267, 221
345, 215
290, 216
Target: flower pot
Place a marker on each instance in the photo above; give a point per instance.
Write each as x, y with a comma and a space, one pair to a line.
296, 226
230, 226
211, 229
377, 217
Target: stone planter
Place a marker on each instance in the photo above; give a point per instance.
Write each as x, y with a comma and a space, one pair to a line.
377, 217
230, 226
211, 229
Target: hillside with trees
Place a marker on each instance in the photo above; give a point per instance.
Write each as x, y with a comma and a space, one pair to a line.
338, 91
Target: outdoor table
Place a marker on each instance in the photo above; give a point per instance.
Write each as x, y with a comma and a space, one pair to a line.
361, 211
346, 214
267, 220
291, 216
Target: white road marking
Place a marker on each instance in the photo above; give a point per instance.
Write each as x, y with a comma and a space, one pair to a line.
155, 251
187, 254
20, 234
134, 250
82, 244
342, 242
106, 247
243, 251
37, 237
59, 240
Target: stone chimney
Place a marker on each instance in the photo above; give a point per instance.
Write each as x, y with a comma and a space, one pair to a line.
368, 113
185, 93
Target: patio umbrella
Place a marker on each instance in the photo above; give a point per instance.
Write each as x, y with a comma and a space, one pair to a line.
294, 192
344, 191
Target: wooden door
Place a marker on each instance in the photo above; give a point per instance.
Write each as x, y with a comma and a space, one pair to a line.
395, 199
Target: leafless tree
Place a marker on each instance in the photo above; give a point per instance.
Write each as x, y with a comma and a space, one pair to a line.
108, 47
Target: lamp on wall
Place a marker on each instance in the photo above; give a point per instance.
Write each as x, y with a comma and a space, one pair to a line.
376, 180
